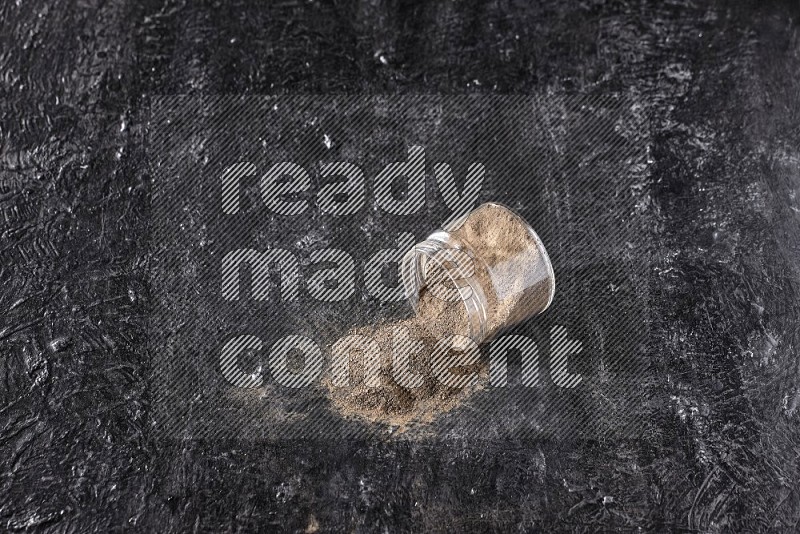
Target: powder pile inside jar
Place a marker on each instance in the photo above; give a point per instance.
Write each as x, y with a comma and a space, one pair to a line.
509, 263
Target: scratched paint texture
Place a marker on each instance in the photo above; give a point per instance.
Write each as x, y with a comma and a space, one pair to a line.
574, 166
718, 451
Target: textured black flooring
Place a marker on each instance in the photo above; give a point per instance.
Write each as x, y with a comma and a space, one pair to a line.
719, 449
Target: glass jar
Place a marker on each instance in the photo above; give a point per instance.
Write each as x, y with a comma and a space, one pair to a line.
492, 261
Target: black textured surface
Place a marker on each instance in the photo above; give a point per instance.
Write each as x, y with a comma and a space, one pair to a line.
574, 166
719, 449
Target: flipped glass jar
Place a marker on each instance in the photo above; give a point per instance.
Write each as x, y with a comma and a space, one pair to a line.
492, 261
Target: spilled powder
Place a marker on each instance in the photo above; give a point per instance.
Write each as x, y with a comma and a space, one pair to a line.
390, 402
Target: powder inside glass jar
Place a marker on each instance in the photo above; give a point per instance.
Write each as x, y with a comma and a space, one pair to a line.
510, 264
